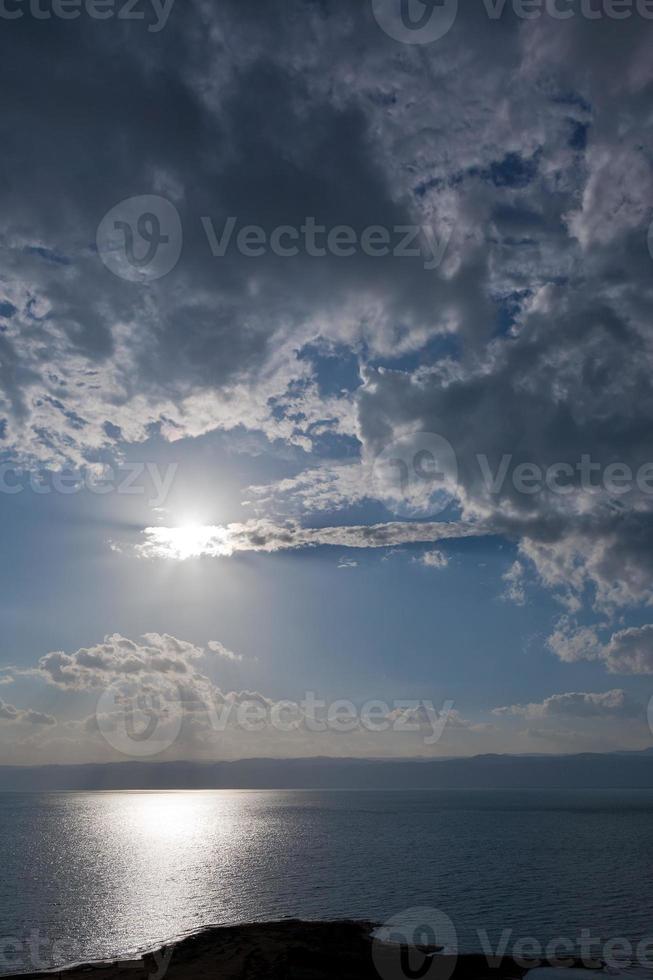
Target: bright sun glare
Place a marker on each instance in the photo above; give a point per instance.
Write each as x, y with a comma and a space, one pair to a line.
188, 540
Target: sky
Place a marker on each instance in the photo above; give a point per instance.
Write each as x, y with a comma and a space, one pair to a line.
325, 359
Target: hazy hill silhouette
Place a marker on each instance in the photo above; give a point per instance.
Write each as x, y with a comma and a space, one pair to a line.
627, 770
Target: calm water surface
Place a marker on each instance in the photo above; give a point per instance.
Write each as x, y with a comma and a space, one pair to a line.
97, 875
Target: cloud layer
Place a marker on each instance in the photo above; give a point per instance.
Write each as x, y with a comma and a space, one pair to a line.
519, 144
265, 536
161, 697
628, 651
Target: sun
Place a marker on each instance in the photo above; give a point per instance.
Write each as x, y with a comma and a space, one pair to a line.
188, 540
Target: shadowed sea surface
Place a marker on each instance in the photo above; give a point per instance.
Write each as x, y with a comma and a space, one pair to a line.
91, 876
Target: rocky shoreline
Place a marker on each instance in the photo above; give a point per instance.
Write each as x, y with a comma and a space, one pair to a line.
296, 950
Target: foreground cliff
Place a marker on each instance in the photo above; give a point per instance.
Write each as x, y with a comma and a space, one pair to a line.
294, 950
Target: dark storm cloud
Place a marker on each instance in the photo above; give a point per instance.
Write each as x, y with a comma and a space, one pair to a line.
222, 121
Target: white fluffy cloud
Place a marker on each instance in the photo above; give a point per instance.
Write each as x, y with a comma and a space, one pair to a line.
630, 651
9, 713
222, 651
118, 657
612, 704
514, 579
434, 559
627, 651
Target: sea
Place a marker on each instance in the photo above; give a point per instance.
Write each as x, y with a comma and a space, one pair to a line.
92, 876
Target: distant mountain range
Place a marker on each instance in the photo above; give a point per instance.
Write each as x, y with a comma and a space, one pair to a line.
620, 770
